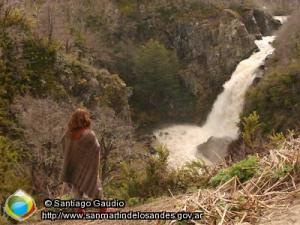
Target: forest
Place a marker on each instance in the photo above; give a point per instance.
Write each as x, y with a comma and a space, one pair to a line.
140, 67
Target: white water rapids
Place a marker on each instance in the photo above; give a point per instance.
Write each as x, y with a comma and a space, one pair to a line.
182, 140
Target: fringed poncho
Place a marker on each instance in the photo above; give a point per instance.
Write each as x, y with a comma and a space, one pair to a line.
81, 162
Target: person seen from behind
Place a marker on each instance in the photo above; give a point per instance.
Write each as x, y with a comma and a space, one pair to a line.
81, 152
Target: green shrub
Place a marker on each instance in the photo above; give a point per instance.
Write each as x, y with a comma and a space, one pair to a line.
250, 126
276, 97
277, 138
189, 178
139, 182
155, 180
39, 55
156, 69
157, 86
94, 21
8, 125
13, 174
284, 170
40, 59
127, 7
133, 201
244, 170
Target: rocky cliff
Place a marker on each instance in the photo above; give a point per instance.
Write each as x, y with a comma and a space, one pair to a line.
259, 23
45, 75
209, 37
211, 49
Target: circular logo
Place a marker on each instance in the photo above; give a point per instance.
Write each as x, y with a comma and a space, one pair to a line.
20, 206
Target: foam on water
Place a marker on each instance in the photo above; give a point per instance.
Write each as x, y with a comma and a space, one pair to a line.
182, 140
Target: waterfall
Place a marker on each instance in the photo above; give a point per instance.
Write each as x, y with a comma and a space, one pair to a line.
223, 119
182, 140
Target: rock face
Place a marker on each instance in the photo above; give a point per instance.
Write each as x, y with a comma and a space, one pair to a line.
212, 48
259, 23
215, 149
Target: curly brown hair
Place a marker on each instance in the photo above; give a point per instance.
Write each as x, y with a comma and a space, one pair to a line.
80, 119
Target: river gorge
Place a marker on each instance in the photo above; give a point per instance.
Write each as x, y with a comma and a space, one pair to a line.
210, 141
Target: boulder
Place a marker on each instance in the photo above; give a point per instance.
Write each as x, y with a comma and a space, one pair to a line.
266, 23
259, 23
215, 149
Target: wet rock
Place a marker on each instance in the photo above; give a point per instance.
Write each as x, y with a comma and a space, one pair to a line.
250, 22
266, 23
258, 37
259, 23
212, 50
259, 74
215, 149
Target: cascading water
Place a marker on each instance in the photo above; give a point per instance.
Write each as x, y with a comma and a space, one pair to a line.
182, 140
223, 119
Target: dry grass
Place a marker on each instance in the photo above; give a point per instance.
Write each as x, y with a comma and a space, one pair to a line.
234, 202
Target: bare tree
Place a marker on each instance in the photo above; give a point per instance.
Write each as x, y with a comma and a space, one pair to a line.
116, 139
43, 122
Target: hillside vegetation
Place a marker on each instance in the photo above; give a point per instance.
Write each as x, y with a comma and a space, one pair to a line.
276, 97
37, 79
138, 64
247, 192
52, 55
48, 67
188, 40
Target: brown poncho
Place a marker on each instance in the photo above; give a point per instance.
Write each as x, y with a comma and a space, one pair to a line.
81, 162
